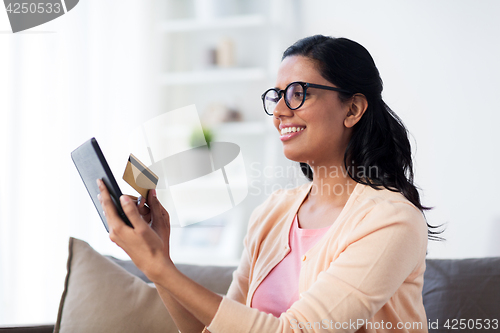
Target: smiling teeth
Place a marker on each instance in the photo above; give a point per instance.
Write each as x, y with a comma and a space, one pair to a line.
287, 130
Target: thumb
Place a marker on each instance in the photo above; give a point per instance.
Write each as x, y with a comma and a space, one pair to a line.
152, 199
157, 210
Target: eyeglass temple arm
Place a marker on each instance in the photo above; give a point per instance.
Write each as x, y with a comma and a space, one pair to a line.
312, 85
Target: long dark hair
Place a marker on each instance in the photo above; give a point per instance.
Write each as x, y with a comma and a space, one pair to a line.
379, 139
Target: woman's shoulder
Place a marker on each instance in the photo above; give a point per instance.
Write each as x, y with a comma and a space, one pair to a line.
378, 208
369, 196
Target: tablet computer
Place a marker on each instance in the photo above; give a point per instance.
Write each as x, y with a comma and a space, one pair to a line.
91, 164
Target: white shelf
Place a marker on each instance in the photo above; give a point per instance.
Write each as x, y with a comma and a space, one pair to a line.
213, 76
215, 23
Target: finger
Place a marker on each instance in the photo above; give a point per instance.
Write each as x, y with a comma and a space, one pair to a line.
116, 225
147, 218
158, 214
143, 209
107, 203
153, 203
130, 209
133, 198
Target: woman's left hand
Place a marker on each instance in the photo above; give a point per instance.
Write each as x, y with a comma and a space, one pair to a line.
146, 244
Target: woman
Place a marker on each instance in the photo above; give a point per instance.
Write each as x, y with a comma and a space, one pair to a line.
345, 252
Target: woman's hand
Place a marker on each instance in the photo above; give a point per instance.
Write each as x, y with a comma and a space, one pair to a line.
191, 305
144, 210
147, 243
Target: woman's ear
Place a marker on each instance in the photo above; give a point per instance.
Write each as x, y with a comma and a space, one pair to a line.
357, 107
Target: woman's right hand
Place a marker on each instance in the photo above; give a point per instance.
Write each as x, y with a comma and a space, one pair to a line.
144, 210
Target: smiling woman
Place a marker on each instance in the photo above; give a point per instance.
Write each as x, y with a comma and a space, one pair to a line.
349, 247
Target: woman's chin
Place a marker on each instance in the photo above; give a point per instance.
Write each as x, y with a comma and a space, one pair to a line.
294, 155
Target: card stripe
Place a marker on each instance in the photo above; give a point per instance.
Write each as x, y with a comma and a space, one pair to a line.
145, 171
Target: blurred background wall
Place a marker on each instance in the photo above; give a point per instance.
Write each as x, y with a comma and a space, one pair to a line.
106, 67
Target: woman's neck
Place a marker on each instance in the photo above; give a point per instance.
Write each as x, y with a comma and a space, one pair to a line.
331, 185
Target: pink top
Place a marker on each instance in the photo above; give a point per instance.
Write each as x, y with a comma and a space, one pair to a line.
280, 289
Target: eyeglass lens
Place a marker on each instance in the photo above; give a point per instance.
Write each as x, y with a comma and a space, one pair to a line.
294, 97
270, 100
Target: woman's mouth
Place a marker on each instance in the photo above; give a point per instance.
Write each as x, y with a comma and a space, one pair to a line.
291, 131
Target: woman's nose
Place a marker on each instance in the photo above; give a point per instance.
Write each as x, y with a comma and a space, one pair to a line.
282, 109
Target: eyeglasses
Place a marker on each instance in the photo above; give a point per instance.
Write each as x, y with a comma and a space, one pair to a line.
295, 95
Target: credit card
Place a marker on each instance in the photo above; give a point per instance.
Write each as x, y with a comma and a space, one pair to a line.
139, 176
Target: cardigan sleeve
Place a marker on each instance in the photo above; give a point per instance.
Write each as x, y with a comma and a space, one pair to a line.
238, 289
382, 250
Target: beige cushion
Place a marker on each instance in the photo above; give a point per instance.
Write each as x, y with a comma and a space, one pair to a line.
100, 296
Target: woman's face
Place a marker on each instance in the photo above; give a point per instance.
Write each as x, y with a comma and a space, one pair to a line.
322, 136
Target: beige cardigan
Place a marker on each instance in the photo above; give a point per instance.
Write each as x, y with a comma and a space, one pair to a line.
364, 275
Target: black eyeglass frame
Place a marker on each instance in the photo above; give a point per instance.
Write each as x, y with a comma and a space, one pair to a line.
304, 85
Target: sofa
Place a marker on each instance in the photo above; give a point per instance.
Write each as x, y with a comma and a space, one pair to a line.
105, 294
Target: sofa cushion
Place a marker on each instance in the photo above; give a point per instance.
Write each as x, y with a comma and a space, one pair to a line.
100, 296
466, 289
106, 294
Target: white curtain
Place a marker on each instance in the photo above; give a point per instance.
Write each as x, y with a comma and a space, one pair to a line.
88, 73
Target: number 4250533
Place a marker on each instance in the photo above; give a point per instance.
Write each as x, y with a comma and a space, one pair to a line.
471, 324
33, 8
